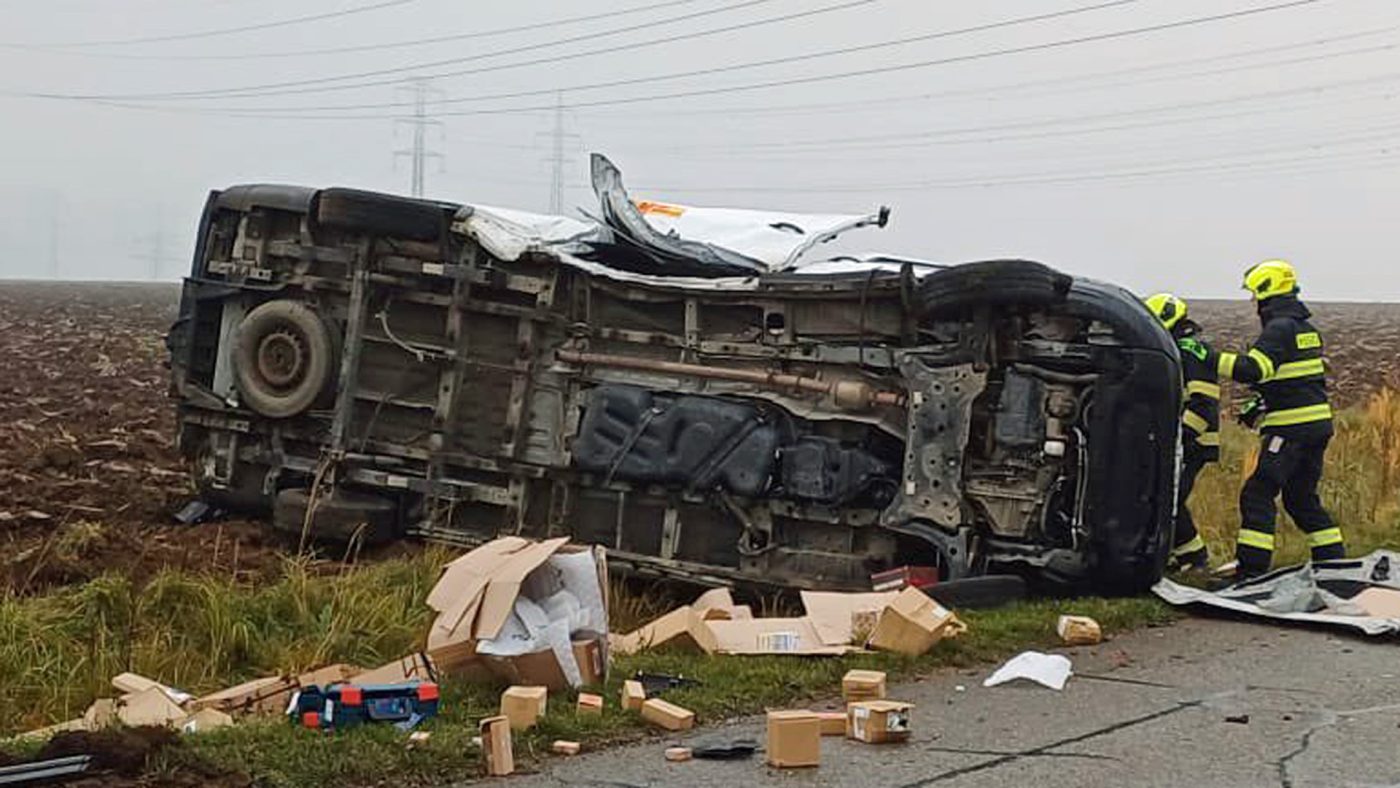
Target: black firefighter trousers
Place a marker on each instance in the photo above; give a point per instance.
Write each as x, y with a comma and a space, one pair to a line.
1292, 468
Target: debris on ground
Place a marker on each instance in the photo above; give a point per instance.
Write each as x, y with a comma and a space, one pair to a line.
515, 609
562, 747
47, 771
724, 748
859, 685
1048, 670
524, 706
1238, 719
907, 622
904, 577
678, 754
342, 706
657, 683
496, 746
794, 739
879, 721
1079, 630
633, 694
667, 715
1362, 594
833, 723
589, 703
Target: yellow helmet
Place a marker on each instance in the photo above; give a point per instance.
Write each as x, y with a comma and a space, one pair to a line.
1167, 308
1271, 278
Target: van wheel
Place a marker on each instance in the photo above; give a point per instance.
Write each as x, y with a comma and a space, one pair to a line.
341, 516
993, 283
284, 359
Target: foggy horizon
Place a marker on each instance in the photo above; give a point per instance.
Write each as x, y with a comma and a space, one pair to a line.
1161, 146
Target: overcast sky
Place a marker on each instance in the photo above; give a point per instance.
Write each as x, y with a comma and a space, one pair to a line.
1136, 140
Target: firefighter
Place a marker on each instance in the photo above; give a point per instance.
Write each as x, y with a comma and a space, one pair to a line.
1284, 367
1200, 434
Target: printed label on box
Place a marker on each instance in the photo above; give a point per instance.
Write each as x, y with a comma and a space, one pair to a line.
779, 642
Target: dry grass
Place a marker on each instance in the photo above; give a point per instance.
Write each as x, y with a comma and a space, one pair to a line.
1360, 486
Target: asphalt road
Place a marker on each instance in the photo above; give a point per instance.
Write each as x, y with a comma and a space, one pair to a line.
1149, 708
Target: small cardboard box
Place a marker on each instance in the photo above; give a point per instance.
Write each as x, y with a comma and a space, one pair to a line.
833, 722
589, 703
912, 624
863, 685
523, 706
1079, 630
878, 721
496, 746
592, 661
633, 695
794, 739
667, 715
562, 747
678, 754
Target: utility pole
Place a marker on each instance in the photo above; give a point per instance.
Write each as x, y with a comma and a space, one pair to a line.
419, 122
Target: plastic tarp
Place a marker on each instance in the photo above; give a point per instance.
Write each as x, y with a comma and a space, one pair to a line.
1362, 594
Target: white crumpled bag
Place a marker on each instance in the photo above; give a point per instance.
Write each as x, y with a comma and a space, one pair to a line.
1049, 670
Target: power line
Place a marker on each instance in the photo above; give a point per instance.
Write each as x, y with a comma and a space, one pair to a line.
786, 82
905, 99
379, 47
285, 87
1392, 132
213, 33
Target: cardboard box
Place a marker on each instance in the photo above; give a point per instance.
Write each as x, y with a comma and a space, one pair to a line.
863, 685
591, 656
1379, 602
496, 746
667, 715
878, 721
149, 707
678, 754
794, 739
913, 623
205, 720
633, 695
771, 636
683, 627
1079, 630
477, 595
589, 703
414, 667
717, 604
833, 722
271, 695
523, 706
562, 747
845, 619
132, 683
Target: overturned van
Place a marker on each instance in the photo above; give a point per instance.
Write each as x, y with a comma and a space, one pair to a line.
688, 388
